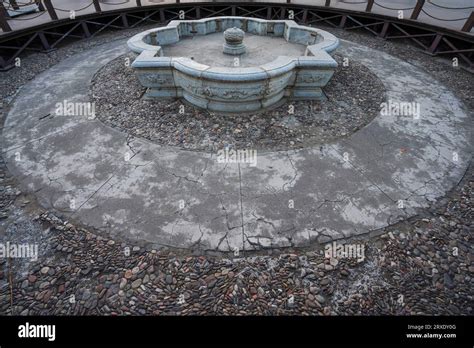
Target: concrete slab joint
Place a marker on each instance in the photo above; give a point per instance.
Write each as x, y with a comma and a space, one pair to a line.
235, 89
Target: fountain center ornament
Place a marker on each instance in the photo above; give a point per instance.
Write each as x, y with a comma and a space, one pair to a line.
234, 38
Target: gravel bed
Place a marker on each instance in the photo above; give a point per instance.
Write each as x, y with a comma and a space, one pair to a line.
413, 269
354, 96
421, 266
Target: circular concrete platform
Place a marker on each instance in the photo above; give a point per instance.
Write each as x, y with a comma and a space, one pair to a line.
133, 189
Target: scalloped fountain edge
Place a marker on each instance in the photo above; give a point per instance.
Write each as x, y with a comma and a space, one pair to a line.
227, 89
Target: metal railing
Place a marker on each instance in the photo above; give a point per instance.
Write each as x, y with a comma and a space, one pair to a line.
46, 6
46, 35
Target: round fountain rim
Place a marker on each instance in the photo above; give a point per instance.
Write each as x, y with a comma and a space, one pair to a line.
152, 55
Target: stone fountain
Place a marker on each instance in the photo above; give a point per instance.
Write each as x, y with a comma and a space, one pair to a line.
185, 59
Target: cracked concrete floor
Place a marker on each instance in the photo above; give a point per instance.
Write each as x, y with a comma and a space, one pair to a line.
135, 190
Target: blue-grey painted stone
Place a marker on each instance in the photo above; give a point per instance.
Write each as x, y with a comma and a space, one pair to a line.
235, 89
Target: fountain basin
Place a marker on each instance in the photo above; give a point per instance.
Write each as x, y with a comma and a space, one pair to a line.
235, 89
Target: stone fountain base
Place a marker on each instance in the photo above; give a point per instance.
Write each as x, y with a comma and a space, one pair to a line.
235, 88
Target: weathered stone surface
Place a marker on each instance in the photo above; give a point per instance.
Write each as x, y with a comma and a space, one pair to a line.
235, 89
234, 38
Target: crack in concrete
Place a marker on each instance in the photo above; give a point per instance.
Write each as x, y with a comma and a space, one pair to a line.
93, 194
226, 214
294, 169
362, 172
182, 177
23, 144
128, 142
